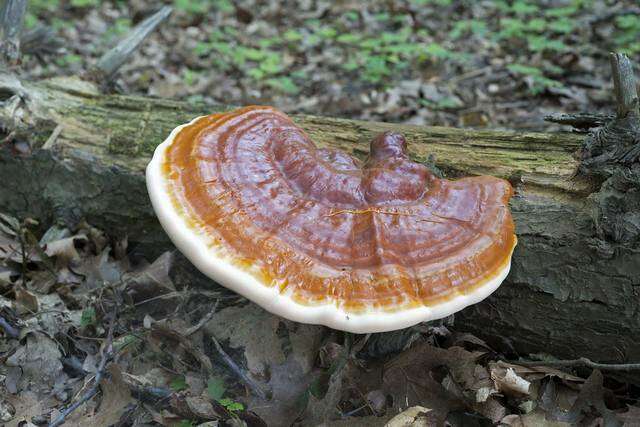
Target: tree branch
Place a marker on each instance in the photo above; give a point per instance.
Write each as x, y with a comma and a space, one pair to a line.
624, 85
110, 63
583, 361
10, 27
8, 329
255, 387
580, 120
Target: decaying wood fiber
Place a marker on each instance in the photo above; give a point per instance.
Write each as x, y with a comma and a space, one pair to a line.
573, 289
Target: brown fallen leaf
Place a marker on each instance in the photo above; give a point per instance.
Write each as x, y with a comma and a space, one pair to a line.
277, 352
39, 362
151, 281
320, 410
555, 398
195, 408
26, 302
416, 416
115, 398
630, 418
163, 333
533, 373
460, 339
26, 406
100, 269
533, 419
409, 379
96, 237
591, 398
64, 250
476, 398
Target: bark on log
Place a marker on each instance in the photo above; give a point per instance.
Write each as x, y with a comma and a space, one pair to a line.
572, 291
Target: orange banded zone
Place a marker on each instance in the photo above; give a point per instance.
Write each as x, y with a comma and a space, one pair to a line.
385, 235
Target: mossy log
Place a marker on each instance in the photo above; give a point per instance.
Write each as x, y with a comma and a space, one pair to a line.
73, 153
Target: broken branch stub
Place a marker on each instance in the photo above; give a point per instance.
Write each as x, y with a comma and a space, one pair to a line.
11, 22
624, 85
109, 64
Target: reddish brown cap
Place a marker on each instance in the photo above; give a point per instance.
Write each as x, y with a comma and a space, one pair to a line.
316, 236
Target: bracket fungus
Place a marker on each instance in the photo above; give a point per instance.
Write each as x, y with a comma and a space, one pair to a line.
316, 235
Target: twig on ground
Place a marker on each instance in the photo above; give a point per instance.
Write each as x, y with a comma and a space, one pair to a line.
581, 362
168, 295
111, 61
52, 138
8, 329
255, 387
156, 396
195, 328
106, 355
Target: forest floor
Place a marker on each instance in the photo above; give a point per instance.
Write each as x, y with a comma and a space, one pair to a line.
78, 308
436, 62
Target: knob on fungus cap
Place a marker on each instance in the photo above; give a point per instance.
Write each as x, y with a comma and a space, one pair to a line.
316, 236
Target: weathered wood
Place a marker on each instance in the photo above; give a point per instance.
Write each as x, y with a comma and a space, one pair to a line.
624, 85
580, 120
111, 61
11, 20
571, 292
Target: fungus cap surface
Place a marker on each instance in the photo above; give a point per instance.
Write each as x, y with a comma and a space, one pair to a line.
316, 235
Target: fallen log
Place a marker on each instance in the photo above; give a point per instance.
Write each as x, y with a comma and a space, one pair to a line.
72, 153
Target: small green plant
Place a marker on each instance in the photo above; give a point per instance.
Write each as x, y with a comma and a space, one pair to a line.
216, 389
433, 2
39, 9
283, 84
627, 35
85, 3
541, 43
540, 83
178, 384
446, 103
88, 317
120, 27
292, 36
231, 405
375, 68
189, 77
561, 25
524, 8
561, 12
225, 6
128, 341
524, 23
43, 6
466, 27
201, 7
30, 20
388, 53
193, 7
